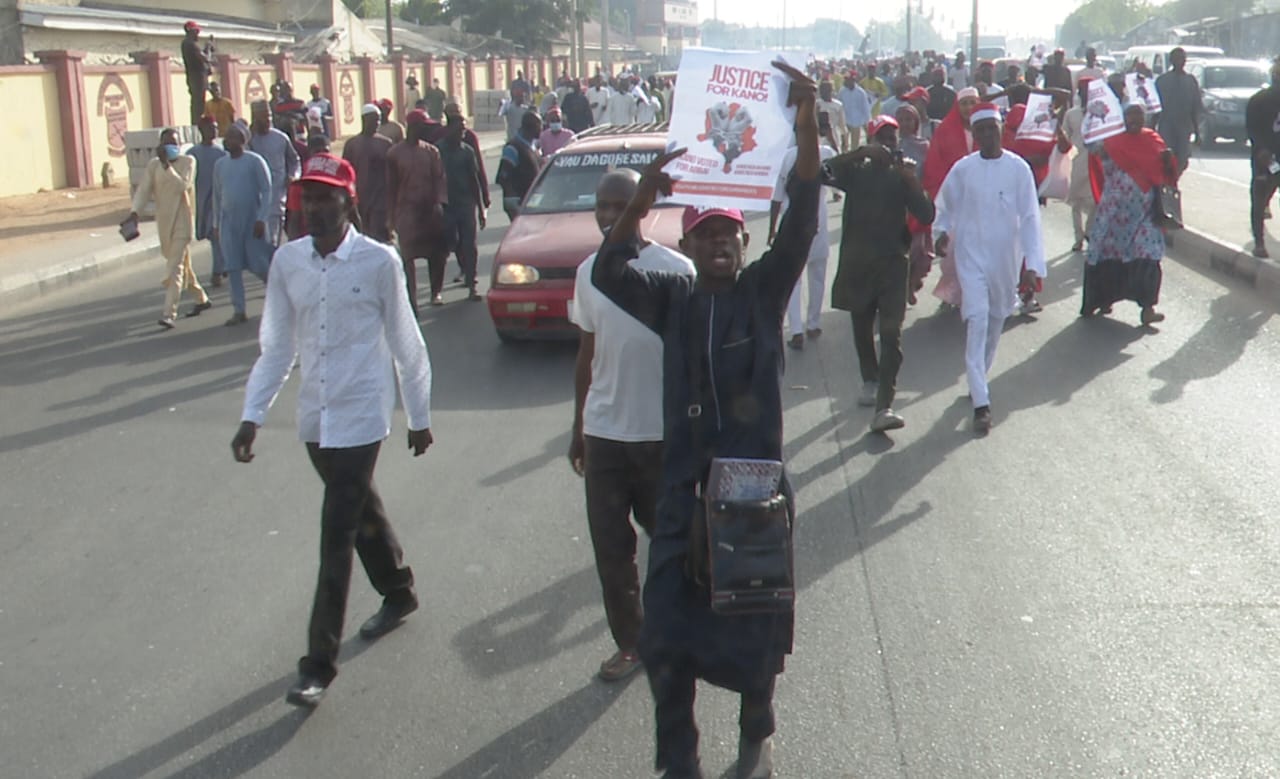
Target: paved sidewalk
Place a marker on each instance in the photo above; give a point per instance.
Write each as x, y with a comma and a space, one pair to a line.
1218, 236
35, 261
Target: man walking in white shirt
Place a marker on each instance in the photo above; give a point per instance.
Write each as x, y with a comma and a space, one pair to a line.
857, 112
598, 98
338, 301
617, 425
622, 104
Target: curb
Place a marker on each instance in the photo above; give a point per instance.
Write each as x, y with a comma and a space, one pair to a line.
1192, 246
29, 285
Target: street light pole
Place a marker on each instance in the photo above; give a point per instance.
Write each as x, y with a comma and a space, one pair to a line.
604, 35
390, 42
908, 49
973, 39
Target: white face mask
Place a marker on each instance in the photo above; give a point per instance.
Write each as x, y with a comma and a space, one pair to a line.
556, 127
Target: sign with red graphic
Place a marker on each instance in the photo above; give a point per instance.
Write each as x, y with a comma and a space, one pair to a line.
731, 113
115, 102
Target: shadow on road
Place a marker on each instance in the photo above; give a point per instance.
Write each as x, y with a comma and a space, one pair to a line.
530, 630
533, 746
1232, 322
238, 757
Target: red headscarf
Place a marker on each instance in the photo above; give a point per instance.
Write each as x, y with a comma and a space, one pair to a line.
947, 148
1139, 154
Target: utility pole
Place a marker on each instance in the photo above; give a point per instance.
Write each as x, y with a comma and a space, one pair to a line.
908, 49
391, 42
973, 39
604, 36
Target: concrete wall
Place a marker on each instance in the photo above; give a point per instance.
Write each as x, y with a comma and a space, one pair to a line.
119, 101
349, 101
32, 135
108, 48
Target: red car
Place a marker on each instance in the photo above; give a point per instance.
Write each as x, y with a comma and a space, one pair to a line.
531, 288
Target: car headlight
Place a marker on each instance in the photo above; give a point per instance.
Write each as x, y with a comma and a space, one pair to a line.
516, 274
1210, 103
1228, 106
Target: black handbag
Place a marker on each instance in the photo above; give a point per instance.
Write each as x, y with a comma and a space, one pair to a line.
751, 565
1166, 208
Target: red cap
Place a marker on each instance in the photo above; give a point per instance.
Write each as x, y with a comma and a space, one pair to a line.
416, 116
919, 93
386, 104
879, 123
694, 216
325, 168
553, 113
191, 26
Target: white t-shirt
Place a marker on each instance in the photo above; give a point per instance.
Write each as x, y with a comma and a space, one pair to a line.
821, 246
621, 109
624, 402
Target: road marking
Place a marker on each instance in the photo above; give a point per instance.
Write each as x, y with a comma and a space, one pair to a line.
1220, 178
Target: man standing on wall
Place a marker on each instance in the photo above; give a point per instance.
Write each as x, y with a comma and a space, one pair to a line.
198, 69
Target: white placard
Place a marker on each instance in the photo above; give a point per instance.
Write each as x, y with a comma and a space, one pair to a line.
1139, 87
1039, 123
731, 114
1103, 116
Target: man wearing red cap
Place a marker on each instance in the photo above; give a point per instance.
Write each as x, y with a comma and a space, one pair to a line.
722, 341
389, 127
872, 279
988, 208
416, 196
198, 68
337, 301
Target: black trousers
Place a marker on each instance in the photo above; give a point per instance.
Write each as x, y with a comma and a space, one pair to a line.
674, 690
1261, 190
460, 228
622, 481
197, 90
353, 519
887, 301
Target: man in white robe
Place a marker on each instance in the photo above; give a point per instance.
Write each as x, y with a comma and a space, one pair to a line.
987, 208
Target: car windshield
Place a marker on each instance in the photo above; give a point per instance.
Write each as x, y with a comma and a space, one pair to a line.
1227, 77
569, 183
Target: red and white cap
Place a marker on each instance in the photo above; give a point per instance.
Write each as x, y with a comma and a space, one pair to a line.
325, 168
879, 123
984, 111
696, 215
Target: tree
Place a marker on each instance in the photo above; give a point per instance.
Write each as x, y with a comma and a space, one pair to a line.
422, 12
532, 24
367, 9
1102, 20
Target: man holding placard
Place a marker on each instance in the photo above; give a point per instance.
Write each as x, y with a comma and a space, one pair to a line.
723, 352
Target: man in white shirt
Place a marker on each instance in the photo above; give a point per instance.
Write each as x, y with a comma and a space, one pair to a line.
958, 76
646, 108
598, 98
617, 425
800, 325
834, 109
857, 112
350, 350
622, 105
988, 205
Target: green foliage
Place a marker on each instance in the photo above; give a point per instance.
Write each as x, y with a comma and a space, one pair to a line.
367, 9
532, 24
421, 12
1103, 20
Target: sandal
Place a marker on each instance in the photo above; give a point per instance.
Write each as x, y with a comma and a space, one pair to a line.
1150, 316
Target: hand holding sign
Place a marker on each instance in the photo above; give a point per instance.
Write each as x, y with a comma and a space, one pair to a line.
655, 181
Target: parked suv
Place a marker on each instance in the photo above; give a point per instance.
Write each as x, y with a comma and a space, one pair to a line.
531, 288
1226, 85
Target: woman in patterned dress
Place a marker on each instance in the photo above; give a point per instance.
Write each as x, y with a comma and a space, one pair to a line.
1125, 245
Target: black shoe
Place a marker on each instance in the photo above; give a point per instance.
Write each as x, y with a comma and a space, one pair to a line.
982, 419
308, 691
199, 307
474, 296
388, 618
755, 759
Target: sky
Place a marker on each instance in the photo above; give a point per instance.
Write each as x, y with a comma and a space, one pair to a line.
1018, 18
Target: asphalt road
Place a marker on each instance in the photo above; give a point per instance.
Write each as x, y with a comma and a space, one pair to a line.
1089, 591
1228, 161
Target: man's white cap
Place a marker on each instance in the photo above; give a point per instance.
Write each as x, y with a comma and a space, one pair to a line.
370, 108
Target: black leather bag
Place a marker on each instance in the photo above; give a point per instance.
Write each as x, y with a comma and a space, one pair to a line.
1166, 208
751, 566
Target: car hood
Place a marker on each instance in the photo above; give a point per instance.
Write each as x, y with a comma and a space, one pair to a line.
1232, 93
566, 239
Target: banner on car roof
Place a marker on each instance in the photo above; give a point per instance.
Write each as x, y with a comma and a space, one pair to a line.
730, 112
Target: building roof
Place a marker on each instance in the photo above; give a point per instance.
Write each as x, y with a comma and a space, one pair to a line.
78, 18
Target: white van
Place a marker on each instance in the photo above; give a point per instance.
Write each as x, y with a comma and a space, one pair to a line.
1157, 57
